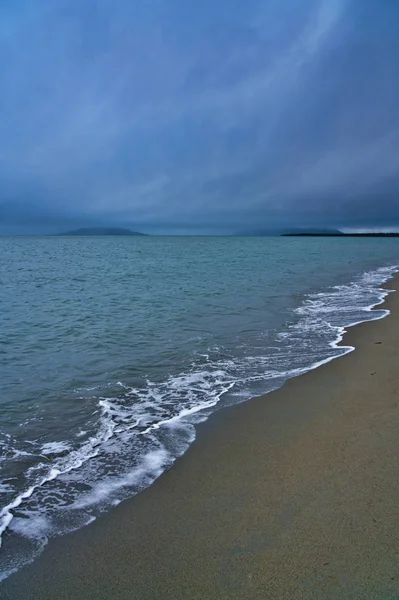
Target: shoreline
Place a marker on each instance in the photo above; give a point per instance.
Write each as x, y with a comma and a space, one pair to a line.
153, 545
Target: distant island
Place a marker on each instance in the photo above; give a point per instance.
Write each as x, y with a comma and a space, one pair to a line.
316, 232
342, 234
103, 231
312, 231
291, 231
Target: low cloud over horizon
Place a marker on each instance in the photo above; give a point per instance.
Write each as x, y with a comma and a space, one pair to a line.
213, 117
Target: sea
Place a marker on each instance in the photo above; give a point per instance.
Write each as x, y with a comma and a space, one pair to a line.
112, 350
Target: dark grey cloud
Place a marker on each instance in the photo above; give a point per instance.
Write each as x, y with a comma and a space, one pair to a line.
212, 116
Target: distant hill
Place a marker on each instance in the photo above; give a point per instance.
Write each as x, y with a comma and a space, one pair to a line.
341, 234
292, 231
100, 231
312, 231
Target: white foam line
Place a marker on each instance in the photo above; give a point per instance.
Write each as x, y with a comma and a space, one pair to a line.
189, 411
6, 515
343, 330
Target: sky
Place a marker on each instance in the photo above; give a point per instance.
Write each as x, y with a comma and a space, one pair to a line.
219, 116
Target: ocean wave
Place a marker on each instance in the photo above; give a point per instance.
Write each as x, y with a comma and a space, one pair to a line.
141, 430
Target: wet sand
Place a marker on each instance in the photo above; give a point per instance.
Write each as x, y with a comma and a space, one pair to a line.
294, 495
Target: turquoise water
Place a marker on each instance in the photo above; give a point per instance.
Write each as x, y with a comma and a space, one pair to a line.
113, 348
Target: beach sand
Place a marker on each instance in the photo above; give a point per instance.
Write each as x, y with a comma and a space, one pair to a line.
294, 495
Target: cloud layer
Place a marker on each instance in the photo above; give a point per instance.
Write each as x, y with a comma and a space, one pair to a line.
184, 116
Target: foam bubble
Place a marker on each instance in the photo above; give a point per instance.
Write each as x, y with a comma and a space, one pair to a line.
54, 447
35, 527
152, 465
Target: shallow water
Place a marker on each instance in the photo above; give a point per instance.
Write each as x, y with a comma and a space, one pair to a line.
112, 349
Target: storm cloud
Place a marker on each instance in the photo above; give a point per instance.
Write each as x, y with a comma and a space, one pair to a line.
213, 116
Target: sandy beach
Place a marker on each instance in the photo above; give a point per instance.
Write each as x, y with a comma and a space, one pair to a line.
294, 495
